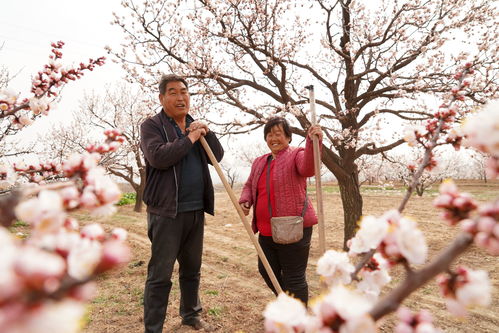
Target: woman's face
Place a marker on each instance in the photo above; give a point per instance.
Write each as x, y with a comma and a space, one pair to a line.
276, 139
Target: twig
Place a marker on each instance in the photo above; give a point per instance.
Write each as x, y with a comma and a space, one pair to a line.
417, 279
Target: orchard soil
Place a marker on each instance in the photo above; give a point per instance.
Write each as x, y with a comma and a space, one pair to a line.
233, 294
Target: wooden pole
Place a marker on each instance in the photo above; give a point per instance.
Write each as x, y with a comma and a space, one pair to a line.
251, 235
318, 183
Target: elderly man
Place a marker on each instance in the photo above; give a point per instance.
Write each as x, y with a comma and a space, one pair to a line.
178, 191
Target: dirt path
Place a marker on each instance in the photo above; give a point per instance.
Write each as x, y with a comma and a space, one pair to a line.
234, 295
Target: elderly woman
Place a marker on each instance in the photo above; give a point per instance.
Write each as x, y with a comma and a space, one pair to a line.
285, 186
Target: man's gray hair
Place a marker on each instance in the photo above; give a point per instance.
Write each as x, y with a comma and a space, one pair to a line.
165, 79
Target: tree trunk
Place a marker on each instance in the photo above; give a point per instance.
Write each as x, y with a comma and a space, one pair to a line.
352, 205
420, 190
138, 198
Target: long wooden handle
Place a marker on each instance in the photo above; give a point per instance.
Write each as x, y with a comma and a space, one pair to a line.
318, 182
251, 235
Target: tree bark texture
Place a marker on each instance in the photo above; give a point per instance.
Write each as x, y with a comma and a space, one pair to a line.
352, 205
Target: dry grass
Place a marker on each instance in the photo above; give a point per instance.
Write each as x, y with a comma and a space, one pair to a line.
232, 292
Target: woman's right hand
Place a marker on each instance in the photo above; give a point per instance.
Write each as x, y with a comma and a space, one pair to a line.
245, 206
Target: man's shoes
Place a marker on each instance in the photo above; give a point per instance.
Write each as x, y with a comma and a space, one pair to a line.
199, 324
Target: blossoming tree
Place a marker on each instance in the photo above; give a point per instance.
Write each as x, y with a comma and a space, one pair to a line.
118, 107
46, 276
373, 63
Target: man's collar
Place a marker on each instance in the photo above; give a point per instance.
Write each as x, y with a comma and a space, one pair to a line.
188, 118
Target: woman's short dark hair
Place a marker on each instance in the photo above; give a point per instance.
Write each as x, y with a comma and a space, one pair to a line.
165, 79
276, 121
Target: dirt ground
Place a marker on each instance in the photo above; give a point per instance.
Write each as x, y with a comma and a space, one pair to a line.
233, 294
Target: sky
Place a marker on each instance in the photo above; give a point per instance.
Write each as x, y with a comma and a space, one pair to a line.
27, 28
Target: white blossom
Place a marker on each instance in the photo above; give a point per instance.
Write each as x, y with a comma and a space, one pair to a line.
7, 176
39, 105
285, 314
84, 258
476, 291
369, 236
343, 302
335, 267
9, 284
35, 264
53, 317
482, 129
45, 212
411, 241
373, 280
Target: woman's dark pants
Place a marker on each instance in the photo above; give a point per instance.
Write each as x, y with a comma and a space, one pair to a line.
289, 264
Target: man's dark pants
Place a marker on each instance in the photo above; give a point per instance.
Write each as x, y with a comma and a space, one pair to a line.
181, 239
289, 264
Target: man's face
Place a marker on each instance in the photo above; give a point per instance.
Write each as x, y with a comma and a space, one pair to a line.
176, 100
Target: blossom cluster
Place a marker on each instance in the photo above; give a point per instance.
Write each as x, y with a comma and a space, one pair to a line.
114, 138
340, 310
46, 84
343, 309
7, 176
414, 323
481, 133
456, 206
397, 238
465, 288
37, 173
52, 269
442, 121
485, 228
98, 193
48, 275
54, 76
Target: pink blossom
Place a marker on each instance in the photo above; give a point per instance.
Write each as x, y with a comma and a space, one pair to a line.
40, 269
464, 289
404, 241
8, 95
54, 317
39, 105
9, 283
88, 199
104, 210
45, 212
84, 292
93, 231
486, 228
414, 323
25, 120
84, 259
457, 206
7, 176
119, 234
114, 253
363, 323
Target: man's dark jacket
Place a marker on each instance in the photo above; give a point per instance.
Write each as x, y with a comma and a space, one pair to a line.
163, 151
